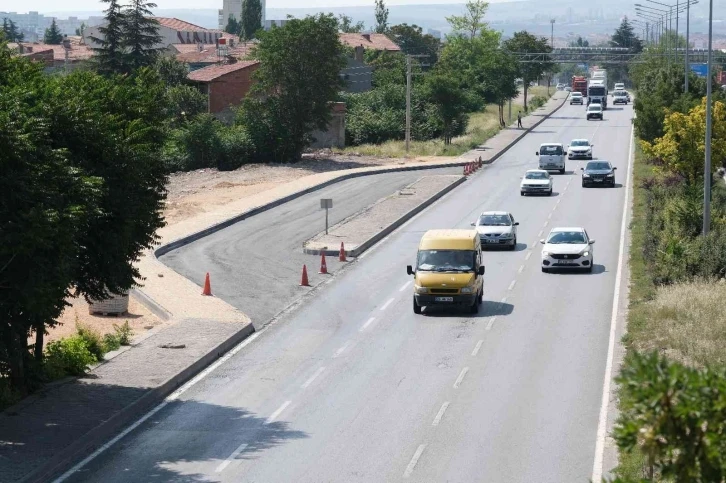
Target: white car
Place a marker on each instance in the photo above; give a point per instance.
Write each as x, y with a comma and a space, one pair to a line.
497, 228
619, 86
576, 98
567, 247
536, 181
579, 148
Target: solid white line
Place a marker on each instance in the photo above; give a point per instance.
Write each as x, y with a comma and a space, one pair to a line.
405, 285
521, 269
277, 413
172, 397
231, 458
388, 302
341, 350
511, 285
597, 467
313, 377
476, 349
461, 377
365, 326
491, 323
440, 414
414, 460
529, 254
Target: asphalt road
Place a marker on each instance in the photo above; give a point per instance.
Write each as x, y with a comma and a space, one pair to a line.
352, 386
256, 265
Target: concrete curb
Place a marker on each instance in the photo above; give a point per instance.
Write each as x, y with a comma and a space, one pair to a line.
110, 428
390, 228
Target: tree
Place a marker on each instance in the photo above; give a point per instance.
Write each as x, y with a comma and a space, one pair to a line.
681, 149
346, 25
624, 37
233, 26
523, 42
580, 42
171, 71
295, 87
110, 57
381, 17
141, 37
412, 41
251, 21
53, 35
450, 101
182, 102
81, 29
473, 19
11, 32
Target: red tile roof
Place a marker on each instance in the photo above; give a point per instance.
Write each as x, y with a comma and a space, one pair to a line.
75, 53
190, 53
208, 74
180, 25
369, 41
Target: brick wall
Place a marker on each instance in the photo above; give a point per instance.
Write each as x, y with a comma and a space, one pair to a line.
230, 89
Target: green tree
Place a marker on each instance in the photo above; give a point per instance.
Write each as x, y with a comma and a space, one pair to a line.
141, 37
251, 21
233, 26
525, 42
381, 17
346, 25
624, 37
110, 56
294, 86
182, 101
171, 71
10, 29
580, 42
472, 22
53, 35
81, 29
450, 100
412, 41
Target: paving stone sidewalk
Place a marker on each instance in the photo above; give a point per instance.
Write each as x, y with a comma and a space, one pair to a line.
59, 425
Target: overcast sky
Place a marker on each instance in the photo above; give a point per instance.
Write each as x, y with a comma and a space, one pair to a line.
95, 5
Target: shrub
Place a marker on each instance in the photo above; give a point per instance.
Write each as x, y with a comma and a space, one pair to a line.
124, 333
236, 148
69, 356
94, 341
111, 342
8, 395
536, 102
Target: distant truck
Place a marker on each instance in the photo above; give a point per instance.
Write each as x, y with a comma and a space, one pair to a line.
579, 84
600, 74
597, 92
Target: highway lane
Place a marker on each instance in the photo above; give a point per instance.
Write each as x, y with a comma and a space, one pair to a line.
352, 386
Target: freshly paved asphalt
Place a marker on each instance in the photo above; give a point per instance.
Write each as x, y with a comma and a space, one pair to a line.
352, 386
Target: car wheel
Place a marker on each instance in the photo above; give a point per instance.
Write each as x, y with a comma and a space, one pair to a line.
550, 192
521, 193
545, 270
562, 171
514, 244
612, 185
584, 185
474, 309
416, 307
480, 298
589, 269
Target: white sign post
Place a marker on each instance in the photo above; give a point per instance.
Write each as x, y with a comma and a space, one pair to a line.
326, 203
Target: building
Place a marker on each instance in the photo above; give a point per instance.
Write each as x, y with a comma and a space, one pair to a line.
172, 31
225, 85
370, 41
234, 7
357, 75
67, 56
197, 56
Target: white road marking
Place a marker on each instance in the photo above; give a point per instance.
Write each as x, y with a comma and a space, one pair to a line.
529, 254
231, 458
540, 233
546, 223
388, 302
440, 414
313, 377
491, 323
521, 269
511, 285
368, 323
549, 217
476, 349
342, 349
172, 397
405, 286
597, 467
277, 413
461, 377
503, 301
414, 460
558, 201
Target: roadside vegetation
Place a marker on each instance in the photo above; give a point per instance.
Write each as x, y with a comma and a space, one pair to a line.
672, 386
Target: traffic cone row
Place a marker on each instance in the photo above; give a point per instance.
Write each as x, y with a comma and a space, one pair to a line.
305, 282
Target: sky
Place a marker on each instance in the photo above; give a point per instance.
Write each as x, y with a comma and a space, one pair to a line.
94, 5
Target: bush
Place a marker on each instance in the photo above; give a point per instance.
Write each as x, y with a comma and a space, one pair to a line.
69, 356
8, 395
111, 342
236, 148
94, 341
536, 102
124, 333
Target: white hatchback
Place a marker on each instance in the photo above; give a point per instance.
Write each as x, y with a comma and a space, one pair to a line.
536, 181
567, 247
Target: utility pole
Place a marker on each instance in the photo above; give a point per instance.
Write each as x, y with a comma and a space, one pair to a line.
688, 40
408, 102
707, 164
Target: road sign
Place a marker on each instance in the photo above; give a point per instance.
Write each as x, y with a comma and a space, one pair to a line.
701, 70
326, 203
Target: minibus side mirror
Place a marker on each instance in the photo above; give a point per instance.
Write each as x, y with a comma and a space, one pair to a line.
481, 270
409, 270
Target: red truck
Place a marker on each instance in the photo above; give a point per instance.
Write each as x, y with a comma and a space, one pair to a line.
579, 84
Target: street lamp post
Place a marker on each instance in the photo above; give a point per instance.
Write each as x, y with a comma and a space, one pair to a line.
709, 114
688, 43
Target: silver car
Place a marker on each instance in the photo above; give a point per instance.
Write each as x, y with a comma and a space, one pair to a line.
497, 228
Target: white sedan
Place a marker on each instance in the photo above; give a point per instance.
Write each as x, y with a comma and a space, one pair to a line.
567, 247
497, 228
536, 181
579, 148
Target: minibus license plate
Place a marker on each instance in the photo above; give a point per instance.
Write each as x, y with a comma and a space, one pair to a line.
444, 299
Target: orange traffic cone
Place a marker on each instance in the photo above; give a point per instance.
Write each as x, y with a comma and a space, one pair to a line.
207, 286
466, 170
305, 282
341, 257
480, 163
323, 265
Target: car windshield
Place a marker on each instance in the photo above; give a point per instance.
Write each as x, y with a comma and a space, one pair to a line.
619, 94
598, 165
550, 150
577, 94
596, 91
594, 107
579, 143
446, 260
536, 175
567, 238
494, 220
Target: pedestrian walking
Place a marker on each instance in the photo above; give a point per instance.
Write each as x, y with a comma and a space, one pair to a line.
519, 119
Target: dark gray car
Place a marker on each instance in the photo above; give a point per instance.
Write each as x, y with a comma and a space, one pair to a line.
598, 173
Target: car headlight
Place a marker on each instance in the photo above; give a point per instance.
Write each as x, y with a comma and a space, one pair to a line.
611, 175
586, 253
505, 235
421, 289
585, 175
467, 290
546, 254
